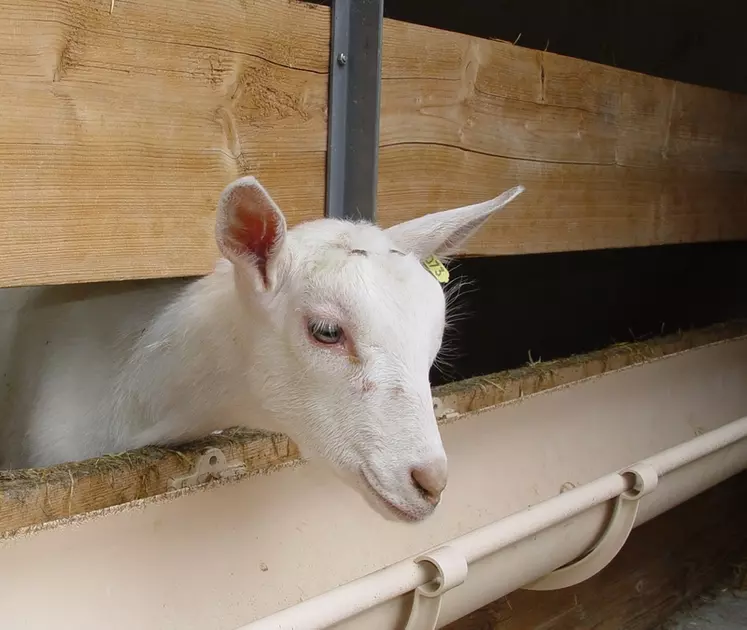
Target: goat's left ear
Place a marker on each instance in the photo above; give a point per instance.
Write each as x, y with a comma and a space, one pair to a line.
444, 233
250, 229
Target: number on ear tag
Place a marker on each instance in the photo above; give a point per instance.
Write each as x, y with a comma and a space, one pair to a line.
437, 269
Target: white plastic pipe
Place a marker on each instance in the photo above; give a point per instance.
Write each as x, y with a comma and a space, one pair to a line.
350, 599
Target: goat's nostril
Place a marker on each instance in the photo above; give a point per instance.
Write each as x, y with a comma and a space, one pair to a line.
430, 480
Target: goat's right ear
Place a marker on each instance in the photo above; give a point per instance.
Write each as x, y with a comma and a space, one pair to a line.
250, 228
445, 233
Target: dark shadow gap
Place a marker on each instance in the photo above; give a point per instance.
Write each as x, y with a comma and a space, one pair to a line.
684, 40
549, 306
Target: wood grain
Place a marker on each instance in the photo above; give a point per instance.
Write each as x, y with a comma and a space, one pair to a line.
610, 158
665, 564
120, 128
35, 496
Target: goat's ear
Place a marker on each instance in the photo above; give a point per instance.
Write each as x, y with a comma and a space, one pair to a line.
444, 233
250, 228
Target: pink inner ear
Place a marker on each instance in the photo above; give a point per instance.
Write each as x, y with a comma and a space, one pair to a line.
255, 229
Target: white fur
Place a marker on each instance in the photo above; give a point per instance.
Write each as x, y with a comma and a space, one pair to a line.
93, 369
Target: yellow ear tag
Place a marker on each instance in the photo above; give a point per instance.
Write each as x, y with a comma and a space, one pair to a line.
437, 269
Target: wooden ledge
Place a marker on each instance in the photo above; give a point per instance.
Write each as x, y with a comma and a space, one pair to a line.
485, 391
35, 496
123, 106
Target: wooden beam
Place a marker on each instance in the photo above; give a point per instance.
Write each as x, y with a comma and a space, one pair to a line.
665, 564
35, 496
610, 158
120, 128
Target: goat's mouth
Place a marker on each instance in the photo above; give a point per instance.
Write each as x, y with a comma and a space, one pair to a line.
382, 497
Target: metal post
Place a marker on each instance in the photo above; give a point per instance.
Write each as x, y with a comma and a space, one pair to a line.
354, 103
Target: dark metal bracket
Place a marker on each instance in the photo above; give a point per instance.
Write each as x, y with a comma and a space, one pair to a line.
354, 104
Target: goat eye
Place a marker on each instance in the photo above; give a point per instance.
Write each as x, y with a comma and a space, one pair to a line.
325, 332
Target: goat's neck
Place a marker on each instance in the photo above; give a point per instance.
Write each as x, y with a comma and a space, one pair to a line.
192, 370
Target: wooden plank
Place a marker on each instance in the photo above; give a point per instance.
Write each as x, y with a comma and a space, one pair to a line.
610, 158
121, 127
36, 496
665, 564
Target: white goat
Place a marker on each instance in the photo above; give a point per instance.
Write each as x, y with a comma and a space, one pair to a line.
325, 332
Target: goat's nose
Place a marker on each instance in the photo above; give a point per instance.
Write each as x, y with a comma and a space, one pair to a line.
431, 479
